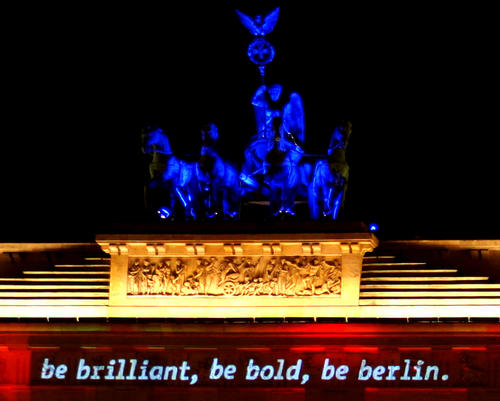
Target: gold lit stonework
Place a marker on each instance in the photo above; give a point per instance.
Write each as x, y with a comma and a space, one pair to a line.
82, 282
235, 276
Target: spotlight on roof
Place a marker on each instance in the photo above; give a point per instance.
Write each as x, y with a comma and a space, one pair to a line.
373, 227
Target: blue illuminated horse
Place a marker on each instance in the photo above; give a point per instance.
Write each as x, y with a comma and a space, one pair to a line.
330, 177
218, 179
172, 183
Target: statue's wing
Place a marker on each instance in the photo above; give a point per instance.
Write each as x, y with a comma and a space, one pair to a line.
270, 21
293, 117
248, 23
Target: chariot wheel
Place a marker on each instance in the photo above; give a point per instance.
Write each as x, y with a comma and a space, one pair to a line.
229, 288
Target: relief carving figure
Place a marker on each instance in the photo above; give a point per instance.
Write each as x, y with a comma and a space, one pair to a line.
326, 279
133, 279
207, 276
235, 276
166, 278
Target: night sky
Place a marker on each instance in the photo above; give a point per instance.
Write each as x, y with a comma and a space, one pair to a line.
418, 83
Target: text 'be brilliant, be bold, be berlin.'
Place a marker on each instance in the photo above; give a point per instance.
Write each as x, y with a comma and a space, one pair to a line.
121, 369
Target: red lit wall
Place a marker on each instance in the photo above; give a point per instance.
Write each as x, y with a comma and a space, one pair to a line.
250, 361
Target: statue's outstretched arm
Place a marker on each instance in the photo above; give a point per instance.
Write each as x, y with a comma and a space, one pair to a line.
259, 99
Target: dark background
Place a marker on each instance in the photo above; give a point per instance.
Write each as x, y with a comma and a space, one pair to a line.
419, 84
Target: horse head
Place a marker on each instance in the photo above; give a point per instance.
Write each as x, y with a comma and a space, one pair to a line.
156, 141
340, 137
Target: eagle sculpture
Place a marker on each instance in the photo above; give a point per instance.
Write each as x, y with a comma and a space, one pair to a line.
260, 26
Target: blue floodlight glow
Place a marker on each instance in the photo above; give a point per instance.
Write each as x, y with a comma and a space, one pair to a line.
374, 227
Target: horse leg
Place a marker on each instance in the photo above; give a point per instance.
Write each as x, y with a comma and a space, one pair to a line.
287, 200
213, 205
231, 203
336, 205
186, 200
313, 202
338, 199
166, 205
231, 195
291, 186
275, 200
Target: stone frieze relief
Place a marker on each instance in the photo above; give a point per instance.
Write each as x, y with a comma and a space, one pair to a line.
235, 276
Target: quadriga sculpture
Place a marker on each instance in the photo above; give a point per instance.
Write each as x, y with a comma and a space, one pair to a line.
275, 171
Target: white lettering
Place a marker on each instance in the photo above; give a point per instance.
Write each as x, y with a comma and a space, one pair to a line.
97, 369
329, 371
365, 371
229, 372
121, 369
47, 369
111, 368
116, 368
378, 372
392, 369
407, 371
170, 370
131, 375
216, 371
83, 371
267, 372
293, 372
143, 368
252, 371
418, 369
431, 369
184, 368
279, 373
156, 373
61, 371
342, 371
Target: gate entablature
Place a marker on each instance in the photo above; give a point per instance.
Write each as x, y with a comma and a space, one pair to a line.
236, 275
